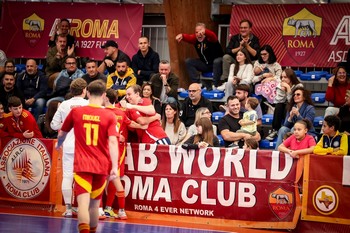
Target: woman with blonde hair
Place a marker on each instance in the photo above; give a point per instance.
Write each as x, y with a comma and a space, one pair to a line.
172, 125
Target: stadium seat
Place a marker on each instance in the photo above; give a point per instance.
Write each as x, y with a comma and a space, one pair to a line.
20, 67
221, 140
266, 144
267, 119
313, 75
214, 94
318, 121
216, 116
318, 97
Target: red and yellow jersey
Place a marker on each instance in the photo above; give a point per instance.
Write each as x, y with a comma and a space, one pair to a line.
92, 127
122, 120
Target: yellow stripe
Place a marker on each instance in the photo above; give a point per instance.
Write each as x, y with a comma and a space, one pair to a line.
97, 192
83, 183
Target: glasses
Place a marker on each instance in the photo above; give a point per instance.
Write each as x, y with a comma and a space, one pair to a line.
71, 63
206, 112
263, 54
193, 91
9, 67
297, 94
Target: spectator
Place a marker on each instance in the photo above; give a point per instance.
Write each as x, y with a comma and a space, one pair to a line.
8, 89
113, 54
332, 142
145, 62
2, 61
121, 79
204, 138
209, 52
92, 72
147, 92
336, 90
34, 86
228, 125
267, 73
62, 28
25, 125
245, 39
250, 117
300, 143
56, 58
344, 115
172, 125
300, 107
45, 127
165, 83
284, 90
250, 144
191, 103
10, 68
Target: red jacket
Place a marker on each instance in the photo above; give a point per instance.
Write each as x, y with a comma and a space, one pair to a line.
336, 94
16, 128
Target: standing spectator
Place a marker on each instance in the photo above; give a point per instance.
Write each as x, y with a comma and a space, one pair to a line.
20, 123
344, 115
191, 103
55, 59
93, 153
34, 85
92, 72
209, 52
8, 89
245, 39
250, 117
336, 90
113, 54
172, 125
121, 79
145, 62
2, 61
165, 83
62, 28
147, 92
228, 125
300, 107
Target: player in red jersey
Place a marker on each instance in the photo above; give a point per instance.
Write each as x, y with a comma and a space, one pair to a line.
96, 146
142, 111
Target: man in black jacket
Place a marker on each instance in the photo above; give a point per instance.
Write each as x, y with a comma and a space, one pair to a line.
8, 89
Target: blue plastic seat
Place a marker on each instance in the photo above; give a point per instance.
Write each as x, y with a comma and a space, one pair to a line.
266, 144
318, 121
214, 94
183, 93
221, 140
267, 119
216, 116
318, 97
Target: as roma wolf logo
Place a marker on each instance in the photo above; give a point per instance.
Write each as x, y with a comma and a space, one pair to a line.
281, 202
33, 28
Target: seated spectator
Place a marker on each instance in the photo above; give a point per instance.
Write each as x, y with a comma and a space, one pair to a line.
201, 112
113, 54
145, 62
228, 125
344, 115
165, 83
300, 107
332, 142
25, 126
92, 73
44, 125
10, 68
56, 58
8, 89
209, 52
121, 79
34, 85
191, 103
62, 28
147, 92
172, 125
2, 61
204, 138
250, 144
336, 90
300, 143
64, 79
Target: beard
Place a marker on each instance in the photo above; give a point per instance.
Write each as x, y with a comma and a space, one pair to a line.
121, 73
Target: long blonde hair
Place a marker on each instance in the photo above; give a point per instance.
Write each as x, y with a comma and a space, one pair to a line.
207, 134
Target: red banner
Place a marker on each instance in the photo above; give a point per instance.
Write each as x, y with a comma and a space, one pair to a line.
217, 183
327, 189
303, 35
26, 27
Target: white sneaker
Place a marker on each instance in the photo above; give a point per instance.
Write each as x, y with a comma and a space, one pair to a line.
122, 214
222, 87
68, 213
272, 135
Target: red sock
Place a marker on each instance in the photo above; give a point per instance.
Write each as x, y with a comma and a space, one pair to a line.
84, 228
93, 229
121, 199
111, 194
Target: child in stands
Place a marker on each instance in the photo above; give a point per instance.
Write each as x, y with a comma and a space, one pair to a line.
250, 144
332, 142
300, 143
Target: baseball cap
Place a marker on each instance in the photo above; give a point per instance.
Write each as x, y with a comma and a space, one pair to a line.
110, 43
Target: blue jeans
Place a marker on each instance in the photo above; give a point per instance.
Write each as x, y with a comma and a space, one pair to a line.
37, 108
281, 132
195, 65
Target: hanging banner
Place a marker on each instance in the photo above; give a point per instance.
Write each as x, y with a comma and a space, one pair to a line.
27, 26
246, 188
326, 189
303, 35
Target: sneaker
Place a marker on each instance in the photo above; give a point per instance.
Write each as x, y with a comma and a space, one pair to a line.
68, 213
222, 87
272, 135
122, 214
75, 210
109, 213
101, 214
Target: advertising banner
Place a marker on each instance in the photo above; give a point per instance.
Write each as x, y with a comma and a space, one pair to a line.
213, 183
326, 189
303, 35
27, 26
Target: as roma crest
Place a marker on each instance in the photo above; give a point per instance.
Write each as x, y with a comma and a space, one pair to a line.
301, 34
281, 202
33, 28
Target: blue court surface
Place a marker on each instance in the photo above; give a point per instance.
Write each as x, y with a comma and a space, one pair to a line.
14, 223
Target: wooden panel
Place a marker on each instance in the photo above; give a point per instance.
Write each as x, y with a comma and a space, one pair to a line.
153, 9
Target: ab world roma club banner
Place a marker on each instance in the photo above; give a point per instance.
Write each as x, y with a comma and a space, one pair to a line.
242, 187
26, 27
304, 35
327, 189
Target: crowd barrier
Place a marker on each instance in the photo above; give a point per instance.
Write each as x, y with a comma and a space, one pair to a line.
218, 186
